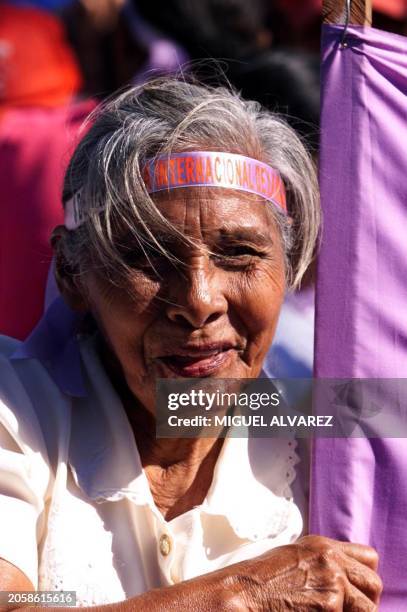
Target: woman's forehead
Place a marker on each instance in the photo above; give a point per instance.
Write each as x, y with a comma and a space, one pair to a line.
200, 211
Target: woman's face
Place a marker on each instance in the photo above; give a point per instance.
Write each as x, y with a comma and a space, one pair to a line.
214, 317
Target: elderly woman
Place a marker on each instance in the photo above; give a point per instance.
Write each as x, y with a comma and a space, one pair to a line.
188, 214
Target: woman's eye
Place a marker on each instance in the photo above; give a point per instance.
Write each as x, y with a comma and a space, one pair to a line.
237, 256
239, 251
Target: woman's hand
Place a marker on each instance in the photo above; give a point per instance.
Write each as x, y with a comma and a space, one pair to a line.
315, 573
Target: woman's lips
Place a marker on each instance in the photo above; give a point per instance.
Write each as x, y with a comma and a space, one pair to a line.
197, 365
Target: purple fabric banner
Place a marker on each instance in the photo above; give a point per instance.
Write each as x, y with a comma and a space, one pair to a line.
359, 486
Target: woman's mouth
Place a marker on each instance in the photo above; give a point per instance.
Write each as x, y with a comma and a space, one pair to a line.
198, 363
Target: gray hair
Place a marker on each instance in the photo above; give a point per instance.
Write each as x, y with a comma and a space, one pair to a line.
169, 115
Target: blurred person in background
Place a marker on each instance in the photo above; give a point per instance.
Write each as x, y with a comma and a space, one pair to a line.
235, 33
39, 118
116, 46
119, 42
221, 29
107, 52
163, 54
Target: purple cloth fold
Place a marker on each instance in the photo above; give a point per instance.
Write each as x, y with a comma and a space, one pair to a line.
359, 486
54, 342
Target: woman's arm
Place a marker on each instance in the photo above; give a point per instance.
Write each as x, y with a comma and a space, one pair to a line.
315, 573
12, 579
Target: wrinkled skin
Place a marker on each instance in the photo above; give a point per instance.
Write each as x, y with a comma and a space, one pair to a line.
226, 303
233, 296
314, 574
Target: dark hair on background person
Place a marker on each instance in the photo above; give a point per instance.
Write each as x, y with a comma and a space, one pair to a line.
285, 82
210, 28
234, 33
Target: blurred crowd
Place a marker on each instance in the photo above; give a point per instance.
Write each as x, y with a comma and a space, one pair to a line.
58, 58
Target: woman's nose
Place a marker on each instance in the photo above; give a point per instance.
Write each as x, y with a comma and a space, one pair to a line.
198, 299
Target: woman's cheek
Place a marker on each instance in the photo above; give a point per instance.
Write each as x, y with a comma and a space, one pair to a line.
257, 295
133, 298
256, 300
124, 313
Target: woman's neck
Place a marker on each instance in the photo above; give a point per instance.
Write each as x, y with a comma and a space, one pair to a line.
179, 470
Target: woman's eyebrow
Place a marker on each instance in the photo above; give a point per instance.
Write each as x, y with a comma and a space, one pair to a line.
247, 234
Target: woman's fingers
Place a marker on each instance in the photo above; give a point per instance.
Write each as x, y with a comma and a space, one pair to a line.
356, 601
364, 554
356, 561
364, 579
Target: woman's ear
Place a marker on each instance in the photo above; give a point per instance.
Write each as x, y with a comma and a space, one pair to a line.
67, 278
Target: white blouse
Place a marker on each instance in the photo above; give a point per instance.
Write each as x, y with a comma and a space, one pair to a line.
76, 510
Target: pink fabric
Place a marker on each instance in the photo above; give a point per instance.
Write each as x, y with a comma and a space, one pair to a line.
35, 146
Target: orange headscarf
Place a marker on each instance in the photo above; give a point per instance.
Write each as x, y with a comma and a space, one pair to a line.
37, 66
